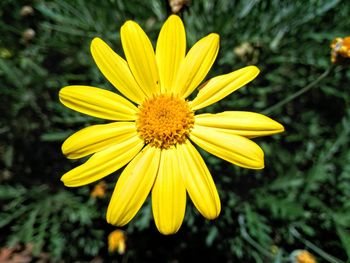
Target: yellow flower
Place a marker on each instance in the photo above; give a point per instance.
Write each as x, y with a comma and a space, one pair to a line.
116, 242
155, 137
340, 49
99, 190
302, 256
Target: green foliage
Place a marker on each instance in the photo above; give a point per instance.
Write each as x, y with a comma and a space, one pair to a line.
43, 218
299, 201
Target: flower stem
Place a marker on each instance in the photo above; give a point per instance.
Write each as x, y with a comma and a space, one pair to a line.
252, 242
313, 247
300, 92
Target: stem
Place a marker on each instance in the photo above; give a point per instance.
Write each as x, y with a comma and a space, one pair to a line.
250, 240
310, 245
300, 92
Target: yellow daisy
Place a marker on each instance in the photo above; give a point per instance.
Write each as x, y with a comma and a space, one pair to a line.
153, 129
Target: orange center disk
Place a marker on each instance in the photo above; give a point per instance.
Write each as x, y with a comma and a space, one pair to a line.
164, 120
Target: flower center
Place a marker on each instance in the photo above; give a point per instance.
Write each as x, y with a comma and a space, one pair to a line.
164, 120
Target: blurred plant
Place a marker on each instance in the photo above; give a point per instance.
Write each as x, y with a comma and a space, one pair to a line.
116, 242
299, 92
99, 190
39, 217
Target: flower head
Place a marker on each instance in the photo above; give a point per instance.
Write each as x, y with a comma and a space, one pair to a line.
340, 50
116, 242
302, 256
154, 127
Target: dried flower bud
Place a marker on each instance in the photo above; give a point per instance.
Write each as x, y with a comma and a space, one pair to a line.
243, 49
247, 52
150, 22
28, 34
26, 10
177, 5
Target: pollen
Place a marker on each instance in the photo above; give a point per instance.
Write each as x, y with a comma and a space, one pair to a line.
164, 120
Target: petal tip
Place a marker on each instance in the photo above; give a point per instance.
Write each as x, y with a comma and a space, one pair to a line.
129, 23
68, 180
254, 70
173, 16
258, 161
95, 40
214, 213
167, 231
64, 148
62, 94
214, 36
115, 221
282, 129
277, 127
260, 165
69, 154
109, 219
213, 216
65, 90
65, 181
175, 19
61, 91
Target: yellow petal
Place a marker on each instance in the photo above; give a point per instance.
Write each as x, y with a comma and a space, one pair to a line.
196, 64
169, 194
230, 147
140, 56
97, 102
103, 163
198, 181
249, 124
133, 186
96, 138
116, 70
219, 87
170, 52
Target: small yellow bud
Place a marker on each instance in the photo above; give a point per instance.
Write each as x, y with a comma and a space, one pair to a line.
340, 53
116, 242
302, 256
99, 190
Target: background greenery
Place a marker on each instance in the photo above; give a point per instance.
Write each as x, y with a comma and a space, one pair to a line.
299, 201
